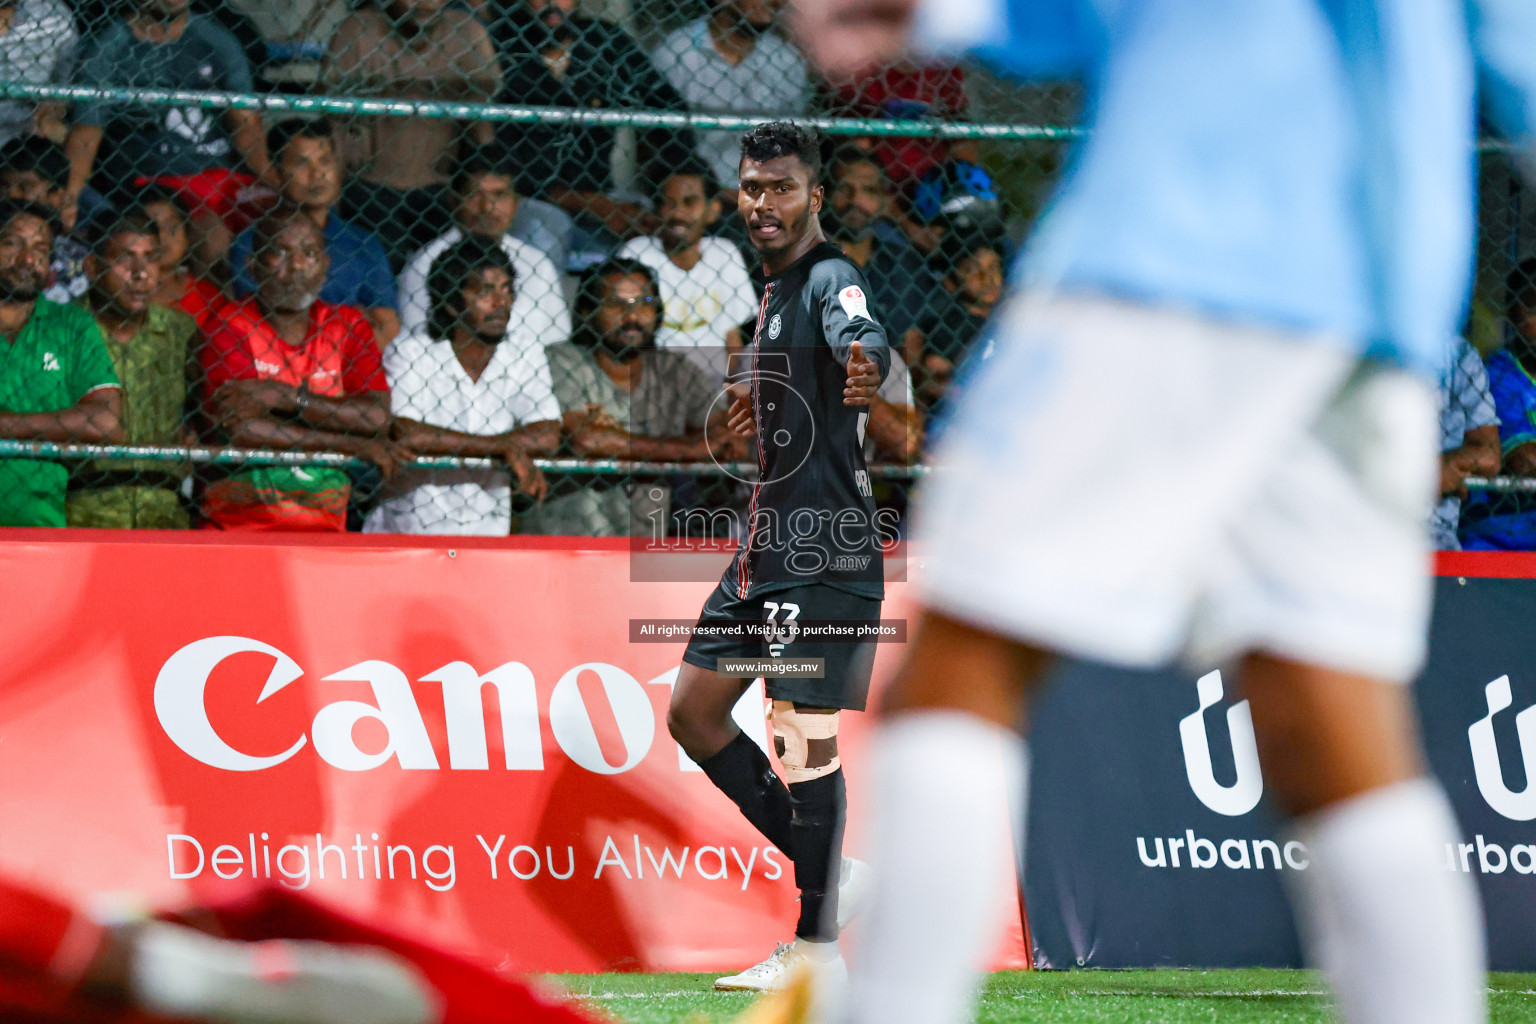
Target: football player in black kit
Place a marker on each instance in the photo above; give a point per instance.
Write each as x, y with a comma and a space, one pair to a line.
811, 552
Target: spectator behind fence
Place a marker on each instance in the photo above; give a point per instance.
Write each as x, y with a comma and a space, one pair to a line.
622, 398
899, 280
955, 316
473, 383
37, 47
36, 170
407, 50
309, 177
286, 370
1492, 522
180, 288
706, 290
213, 158
56, 378
486, 204
150, 346
1469, 439
731, 62
909, 93
555, 56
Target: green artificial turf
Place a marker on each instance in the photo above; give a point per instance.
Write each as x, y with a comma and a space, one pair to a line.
1056, 997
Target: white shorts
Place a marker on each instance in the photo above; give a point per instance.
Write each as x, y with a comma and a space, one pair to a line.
1133, 485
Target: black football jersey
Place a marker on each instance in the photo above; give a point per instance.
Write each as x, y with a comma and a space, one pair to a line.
811, 518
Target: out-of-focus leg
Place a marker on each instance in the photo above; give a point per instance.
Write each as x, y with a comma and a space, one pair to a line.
1400, 938
940, 823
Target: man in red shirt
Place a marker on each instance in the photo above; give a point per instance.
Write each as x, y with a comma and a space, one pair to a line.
285, 370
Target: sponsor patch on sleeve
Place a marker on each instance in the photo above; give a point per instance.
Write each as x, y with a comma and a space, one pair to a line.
852, 301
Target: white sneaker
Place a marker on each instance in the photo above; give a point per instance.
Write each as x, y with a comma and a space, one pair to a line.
829, 973
854, 885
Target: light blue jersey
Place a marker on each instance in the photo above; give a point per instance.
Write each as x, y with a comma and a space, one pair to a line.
1307, 164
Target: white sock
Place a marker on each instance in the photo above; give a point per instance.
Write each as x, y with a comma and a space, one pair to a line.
1399, 937
940, 850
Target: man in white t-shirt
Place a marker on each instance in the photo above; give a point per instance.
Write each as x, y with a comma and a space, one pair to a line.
706, 291
732, 62
486, 204
474, 384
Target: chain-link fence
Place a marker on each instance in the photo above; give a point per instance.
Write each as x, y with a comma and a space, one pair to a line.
477, 266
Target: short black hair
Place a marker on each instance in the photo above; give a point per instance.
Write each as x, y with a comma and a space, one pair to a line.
594, 280
848, 155
959, 245
774, 139
1520, 289
690, 169
285, 131
271, 223
477, 163
158, 195
10, 209
36, 153
133, 221
445, 280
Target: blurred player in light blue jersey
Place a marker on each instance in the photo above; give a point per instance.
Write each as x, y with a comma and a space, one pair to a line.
1251, 274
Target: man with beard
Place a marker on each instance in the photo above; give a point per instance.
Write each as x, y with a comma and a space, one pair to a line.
900, 283
150, 345
554, 56
56, 379
486, 205
622, 398
811, 551
730, 62
286, 370
705, 289
309, 176
471, 384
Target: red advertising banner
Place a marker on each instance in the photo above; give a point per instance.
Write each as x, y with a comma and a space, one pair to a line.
457, 737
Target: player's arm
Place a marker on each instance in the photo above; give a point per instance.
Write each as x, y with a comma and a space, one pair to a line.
855, 337
95, 419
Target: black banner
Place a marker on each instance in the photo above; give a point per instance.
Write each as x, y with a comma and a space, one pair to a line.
1150, 843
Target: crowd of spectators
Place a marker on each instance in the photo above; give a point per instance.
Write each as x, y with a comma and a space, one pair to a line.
388, 287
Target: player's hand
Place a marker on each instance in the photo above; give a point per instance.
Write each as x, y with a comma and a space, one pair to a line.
863, 377
739, 417
848, 39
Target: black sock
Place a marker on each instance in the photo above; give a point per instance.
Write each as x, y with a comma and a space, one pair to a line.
741, 771
816, 837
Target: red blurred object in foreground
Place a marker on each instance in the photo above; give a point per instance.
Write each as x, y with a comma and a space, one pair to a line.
45, 945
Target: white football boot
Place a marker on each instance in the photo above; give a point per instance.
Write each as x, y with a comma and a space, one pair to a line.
822, 960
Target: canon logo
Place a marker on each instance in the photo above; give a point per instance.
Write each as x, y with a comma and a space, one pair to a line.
183, 680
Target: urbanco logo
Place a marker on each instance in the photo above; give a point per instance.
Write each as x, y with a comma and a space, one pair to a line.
1519, 806
1243, 795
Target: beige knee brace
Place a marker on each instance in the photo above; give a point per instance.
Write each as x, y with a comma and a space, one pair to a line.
806, 742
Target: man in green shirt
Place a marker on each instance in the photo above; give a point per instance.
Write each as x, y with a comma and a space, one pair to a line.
150, 345
623, 398
56, 378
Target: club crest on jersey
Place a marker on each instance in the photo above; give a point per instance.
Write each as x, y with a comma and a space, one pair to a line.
852, 301
775, 326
